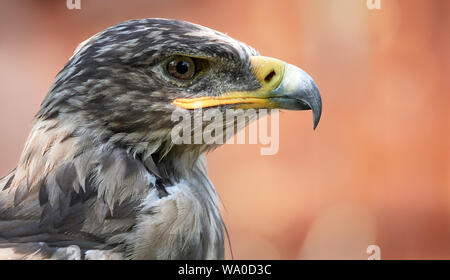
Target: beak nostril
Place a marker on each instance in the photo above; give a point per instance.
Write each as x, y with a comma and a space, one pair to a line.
269, 76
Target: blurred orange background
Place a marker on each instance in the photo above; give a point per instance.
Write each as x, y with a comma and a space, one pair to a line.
376, 170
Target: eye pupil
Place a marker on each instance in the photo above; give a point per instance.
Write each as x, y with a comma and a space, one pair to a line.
182, 67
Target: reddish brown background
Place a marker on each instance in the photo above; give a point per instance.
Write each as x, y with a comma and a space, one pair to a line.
377, 169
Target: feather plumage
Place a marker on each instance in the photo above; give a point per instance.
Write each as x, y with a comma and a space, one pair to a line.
99, 176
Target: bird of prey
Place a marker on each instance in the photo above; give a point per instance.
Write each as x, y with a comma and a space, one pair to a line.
100, 177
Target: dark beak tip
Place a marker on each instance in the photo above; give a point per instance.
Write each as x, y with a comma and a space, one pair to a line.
316, 123
317, 113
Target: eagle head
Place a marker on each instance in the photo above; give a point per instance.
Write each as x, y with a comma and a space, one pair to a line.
122, 85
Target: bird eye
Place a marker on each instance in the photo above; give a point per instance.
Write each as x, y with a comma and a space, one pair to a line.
181, 67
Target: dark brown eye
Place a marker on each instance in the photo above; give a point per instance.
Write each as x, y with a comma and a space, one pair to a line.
181, 67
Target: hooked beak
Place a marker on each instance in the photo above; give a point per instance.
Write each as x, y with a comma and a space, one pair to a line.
283, 86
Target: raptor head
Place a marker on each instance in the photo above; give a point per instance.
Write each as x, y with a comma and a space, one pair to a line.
122, 85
